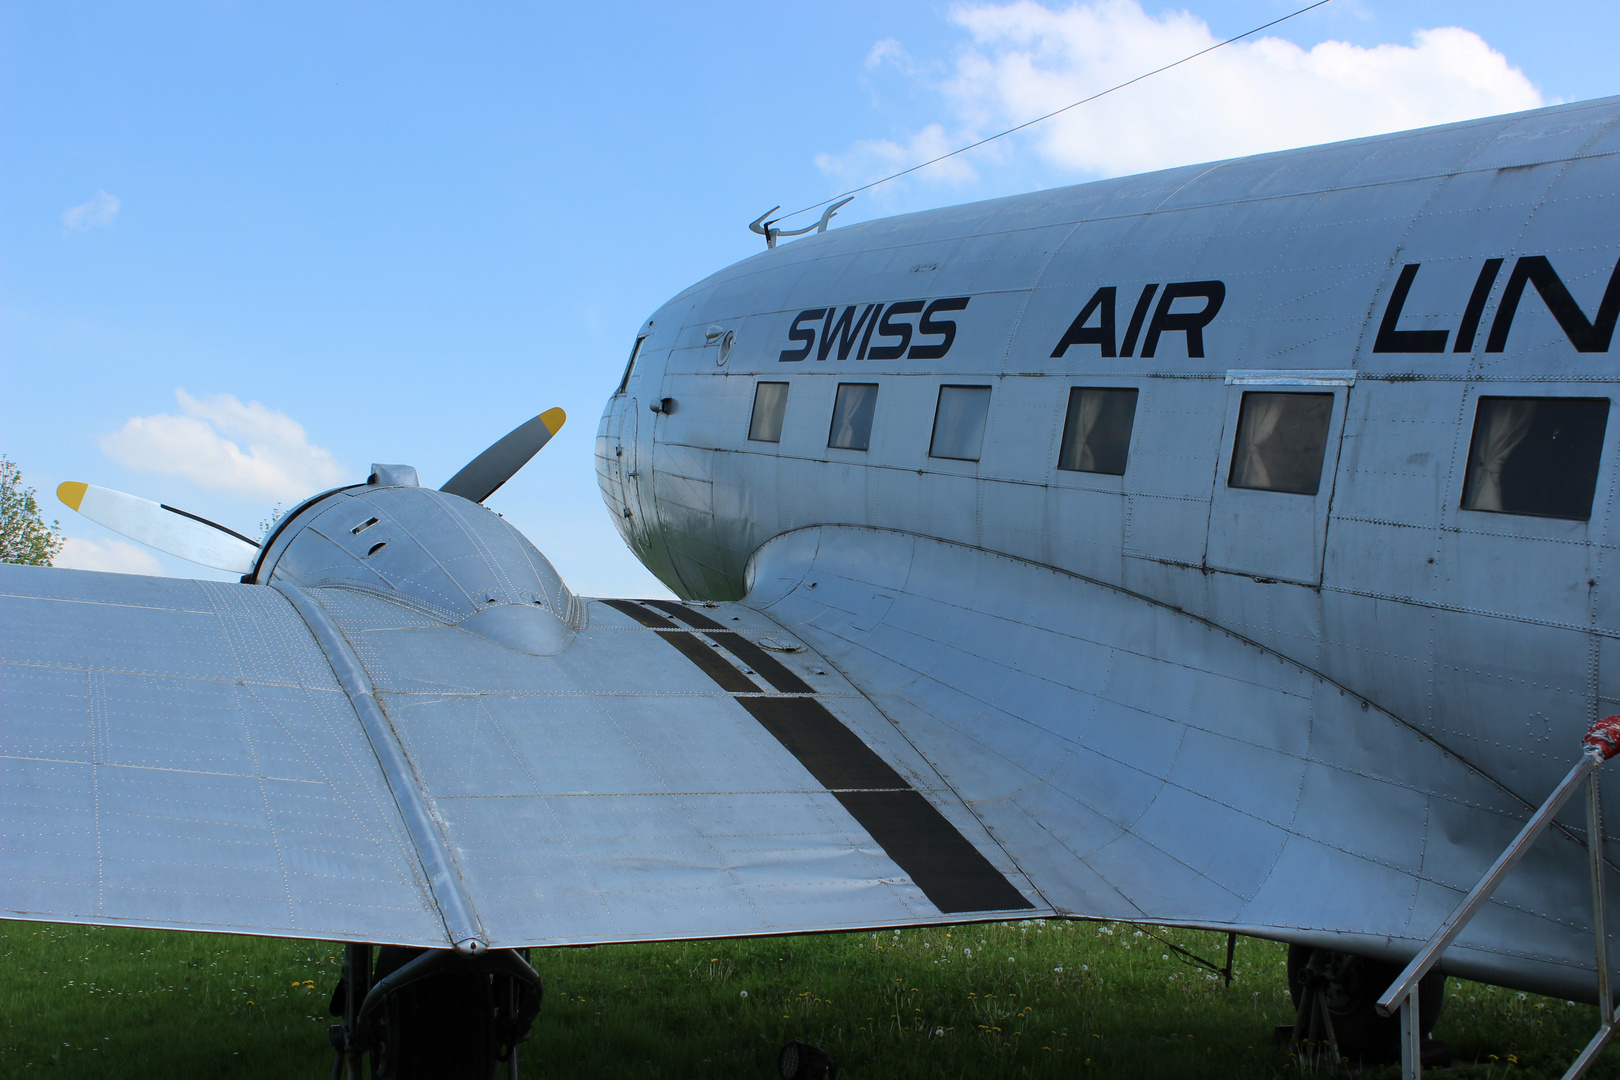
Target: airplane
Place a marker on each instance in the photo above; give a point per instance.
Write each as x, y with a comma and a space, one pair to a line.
1222, 547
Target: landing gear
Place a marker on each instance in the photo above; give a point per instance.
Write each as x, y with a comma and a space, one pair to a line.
430, 1014
1335, 995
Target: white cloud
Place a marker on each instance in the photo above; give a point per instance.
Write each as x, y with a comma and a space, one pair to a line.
205, 447
1026, 59
101, 210
872, 158
113, 556
890, 51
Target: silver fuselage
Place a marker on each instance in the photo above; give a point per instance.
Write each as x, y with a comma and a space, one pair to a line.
1494, 634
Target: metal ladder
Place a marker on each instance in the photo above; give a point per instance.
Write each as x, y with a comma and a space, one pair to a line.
1601, 743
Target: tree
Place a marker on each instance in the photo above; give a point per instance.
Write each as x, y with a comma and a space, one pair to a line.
24, 536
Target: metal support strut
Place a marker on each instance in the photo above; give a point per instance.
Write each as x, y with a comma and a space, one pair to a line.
518, 993
1602, 742
1223, 972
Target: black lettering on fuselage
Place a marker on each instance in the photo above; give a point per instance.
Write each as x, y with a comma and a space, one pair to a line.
1593, 336
889, 328
945, 328
1138, 314
1390, 339
845, 332
1476, 305
1191, 323
1102, 305
853, 329
798, 332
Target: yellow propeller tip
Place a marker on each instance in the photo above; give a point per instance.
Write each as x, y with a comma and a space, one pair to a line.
553, 419
71, 493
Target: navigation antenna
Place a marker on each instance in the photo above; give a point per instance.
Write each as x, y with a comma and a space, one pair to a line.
763, 227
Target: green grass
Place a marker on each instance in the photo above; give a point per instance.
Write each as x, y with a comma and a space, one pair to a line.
1025, 999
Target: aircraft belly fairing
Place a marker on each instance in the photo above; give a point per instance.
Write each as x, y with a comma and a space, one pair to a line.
1138, 763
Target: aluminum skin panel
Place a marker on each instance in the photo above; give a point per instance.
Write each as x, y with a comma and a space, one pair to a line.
620, 791
178, 754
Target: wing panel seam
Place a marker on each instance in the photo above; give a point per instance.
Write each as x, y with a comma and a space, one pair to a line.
438, 865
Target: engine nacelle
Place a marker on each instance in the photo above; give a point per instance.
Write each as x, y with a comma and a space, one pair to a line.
437, 554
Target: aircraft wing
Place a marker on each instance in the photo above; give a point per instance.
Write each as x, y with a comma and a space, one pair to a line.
195, 755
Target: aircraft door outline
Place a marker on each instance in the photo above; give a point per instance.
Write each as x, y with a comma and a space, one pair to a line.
630, 475
1279, 532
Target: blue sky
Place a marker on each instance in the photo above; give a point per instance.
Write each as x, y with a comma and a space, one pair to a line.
400, 230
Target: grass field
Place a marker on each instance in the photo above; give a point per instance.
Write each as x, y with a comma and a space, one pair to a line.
1025, 999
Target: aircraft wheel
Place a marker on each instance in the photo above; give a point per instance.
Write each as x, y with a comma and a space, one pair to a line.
439, 1028
1351, 986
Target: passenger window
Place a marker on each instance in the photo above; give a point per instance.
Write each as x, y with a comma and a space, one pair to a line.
1281, 440
852, 416
770, 404
1097, 431
1536, 456
959, 422
630, 365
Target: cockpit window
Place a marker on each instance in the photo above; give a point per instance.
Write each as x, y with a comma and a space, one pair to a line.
1281, 441
852, 416
1536, 456
1097, 430
770, 405
630, 365
959, 422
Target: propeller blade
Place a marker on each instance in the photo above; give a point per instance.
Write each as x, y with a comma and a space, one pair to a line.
483, 475
171, 531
